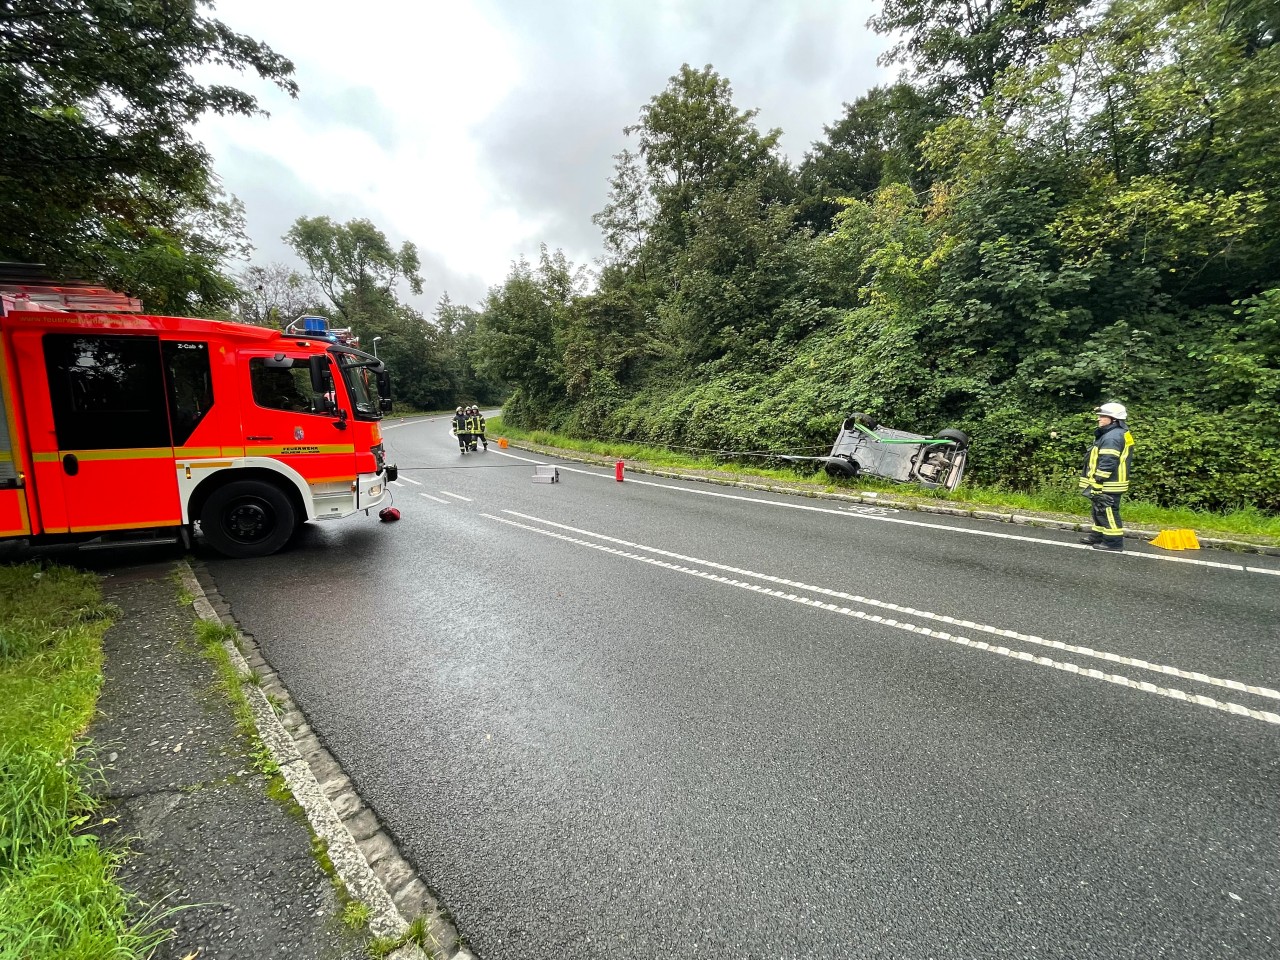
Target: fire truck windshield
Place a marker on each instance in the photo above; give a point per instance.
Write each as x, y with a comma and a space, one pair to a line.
362, 385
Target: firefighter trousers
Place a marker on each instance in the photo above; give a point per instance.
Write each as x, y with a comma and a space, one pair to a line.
1106, 516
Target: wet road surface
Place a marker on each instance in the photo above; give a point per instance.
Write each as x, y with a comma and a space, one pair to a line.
669, 718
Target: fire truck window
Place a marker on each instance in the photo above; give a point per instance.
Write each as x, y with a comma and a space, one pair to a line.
186, 367
107, 392
284, 388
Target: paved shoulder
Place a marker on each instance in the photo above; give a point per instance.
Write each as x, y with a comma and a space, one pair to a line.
205, 838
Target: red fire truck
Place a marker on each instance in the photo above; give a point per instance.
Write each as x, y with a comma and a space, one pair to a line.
116, 425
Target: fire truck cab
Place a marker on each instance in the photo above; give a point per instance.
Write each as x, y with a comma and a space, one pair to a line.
115, 424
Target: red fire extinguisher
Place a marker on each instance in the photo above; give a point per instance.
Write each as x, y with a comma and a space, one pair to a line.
617, 471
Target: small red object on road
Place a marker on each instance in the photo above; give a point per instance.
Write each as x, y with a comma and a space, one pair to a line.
389, 514
617, 471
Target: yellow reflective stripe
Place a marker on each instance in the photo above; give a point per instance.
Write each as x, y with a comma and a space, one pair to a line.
1114, 453
1101, 474
198, 451
298, 449
207, 464
139, 453
1112, 526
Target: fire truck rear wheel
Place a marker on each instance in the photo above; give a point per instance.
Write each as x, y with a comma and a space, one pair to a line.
247, 518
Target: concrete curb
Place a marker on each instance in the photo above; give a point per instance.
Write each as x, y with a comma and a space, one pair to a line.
1032, 520
370, 867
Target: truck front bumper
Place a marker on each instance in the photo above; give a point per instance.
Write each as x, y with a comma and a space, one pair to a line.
371, 488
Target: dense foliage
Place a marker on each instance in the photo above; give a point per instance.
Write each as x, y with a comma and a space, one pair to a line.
100, 175
1061, 203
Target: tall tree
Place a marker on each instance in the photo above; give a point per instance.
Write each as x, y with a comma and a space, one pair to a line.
693, 140
276, 294
181, 267
875, 143
520, 340
959, 48
98, 99
353, 262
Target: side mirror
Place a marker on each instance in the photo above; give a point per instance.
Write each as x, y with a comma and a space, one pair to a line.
319, 374
384, 390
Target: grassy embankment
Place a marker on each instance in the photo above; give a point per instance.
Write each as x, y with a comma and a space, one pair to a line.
58, 896
1246, 524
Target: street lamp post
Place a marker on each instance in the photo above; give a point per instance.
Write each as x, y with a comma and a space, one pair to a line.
375, 347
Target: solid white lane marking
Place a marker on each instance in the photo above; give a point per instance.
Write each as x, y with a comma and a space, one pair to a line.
1240, 568
503, 453
455, 496
1141, 685
416, 483
436, 499
911, 611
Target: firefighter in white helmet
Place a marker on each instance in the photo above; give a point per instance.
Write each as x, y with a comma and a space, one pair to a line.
1104, 477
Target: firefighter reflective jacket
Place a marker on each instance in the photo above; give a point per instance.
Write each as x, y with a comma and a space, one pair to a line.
1106, 468
473, 423
459, 423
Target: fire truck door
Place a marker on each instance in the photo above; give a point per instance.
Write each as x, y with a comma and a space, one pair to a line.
14, 520
109, 449
311, 432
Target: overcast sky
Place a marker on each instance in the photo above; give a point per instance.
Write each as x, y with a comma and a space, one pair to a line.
479, 129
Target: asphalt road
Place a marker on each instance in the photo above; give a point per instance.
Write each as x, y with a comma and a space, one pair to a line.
660, 718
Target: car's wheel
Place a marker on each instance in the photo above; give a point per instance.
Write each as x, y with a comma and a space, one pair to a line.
960, 438
248, 518
840, 469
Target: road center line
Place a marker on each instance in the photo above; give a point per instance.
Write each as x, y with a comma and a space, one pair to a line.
1141, 685
911, 611
455, 496
436, 499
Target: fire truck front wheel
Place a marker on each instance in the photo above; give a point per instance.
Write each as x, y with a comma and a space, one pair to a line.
248, 518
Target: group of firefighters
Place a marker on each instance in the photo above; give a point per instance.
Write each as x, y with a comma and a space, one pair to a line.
468, 427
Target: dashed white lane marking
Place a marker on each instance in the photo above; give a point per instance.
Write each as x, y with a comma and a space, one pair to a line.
1141, 685
883, 518
416, 483
456, 496
912, 611
436, 499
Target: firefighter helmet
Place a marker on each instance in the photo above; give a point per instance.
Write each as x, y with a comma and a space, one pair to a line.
1114, 410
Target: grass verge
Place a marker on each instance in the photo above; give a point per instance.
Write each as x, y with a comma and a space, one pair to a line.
1247, 524
212, 638
58, 895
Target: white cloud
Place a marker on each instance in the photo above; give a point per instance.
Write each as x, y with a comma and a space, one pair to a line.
480, 128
